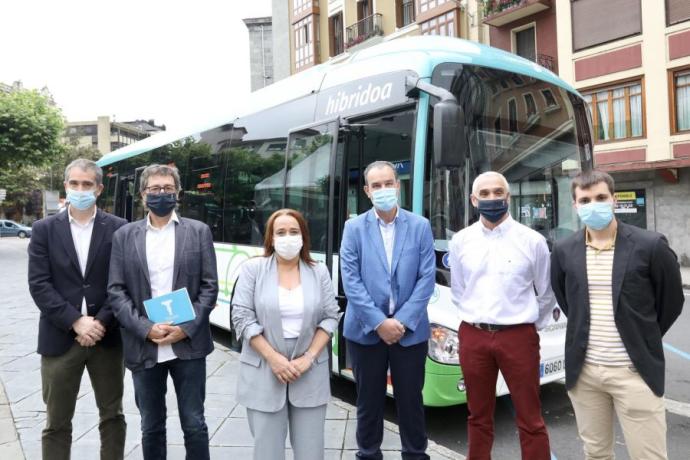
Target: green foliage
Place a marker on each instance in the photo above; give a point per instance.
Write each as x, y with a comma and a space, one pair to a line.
30, 130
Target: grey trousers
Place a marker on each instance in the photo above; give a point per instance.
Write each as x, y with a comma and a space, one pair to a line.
270, 429
61, 377
306, 432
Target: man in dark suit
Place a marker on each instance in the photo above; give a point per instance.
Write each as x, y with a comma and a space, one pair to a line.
387, 266
69, 256
152, 257
621, 289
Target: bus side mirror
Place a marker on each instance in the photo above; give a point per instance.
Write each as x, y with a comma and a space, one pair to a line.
449, 135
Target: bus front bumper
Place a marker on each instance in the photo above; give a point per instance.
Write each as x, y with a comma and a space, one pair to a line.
443, 385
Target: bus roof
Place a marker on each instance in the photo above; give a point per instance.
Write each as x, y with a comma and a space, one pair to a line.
419, 54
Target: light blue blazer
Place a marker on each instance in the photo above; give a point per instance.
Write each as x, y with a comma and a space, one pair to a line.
369, 283
255, 311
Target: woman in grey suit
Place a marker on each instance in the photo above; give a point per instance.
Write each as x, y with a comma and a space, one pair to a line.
284, 311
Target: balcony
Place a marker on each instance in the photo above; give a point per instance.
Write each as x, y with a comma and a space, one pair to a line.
546, 61
360, 31
498, 13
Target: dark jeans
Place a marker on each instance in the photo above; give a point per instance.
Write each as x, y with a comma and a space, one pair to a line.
150, 386
370, 365
61, 377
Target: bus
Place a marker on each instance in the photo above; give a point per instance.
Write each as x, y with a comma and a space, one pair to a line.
442, 110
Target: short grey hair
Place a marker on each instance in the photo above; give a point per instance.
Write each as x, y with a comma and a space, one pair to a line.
86, 165
483, 175
158, 170
379, 164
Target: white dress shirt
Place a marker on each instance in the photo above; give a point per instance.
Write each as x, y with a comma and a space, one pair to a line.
291, 303
388, 236
81, 236
160, 258
494, 275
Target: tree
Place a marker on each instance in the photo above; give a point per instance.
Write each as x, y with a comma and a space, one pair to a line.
31, 130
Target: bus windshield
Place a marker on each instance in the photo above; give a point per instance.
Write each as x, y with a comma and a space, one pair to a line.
522, 127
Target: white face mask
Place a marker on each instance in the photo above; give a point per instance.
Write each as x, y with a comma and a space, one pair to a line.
287, 247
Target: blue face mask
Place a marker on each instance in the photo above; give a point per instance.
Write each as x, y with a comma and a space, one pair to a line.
81, 199
385, 199
596, 215
493, 210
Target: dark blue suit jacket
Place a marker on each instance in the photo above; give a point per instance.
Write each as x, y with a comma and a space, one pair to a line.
58, 287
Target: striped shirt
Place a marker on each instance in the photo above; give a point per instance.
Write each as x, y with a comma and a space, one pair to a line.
605, 345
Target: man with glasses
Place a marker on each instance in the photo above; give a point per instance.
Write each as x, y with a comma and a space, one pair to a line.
152, 257
69, 255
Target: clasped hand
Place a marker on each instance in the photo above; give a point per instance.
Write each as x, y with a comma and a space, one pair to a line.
287, 371
166, 333
89, 330
391, 331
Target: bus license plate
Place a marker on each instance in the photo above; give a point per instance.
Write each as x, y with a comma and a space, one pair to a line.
550, 367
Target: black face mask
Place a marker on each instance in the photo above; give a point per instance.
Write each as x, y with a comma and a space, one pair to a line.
493, 210
161, 204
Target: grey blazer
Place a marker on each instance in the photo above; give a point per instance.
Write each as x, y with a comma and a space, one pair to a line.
129, 285
255, 311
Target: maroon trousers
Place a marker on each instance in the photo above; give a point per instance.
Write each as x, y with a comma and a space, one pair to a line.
515, 352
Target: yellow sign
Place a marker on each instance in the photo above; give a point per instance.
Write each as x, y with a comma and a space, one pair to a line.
625, 195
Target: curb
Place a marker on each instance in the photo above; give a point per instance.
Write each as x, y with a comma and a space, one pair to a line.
432, 446
10, 446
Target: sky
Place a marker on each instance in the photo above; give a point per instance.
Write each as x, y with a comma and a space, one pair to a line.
175, 61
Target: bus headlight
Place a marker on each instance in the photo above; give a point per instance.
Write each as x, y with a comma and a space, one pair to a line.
444, 346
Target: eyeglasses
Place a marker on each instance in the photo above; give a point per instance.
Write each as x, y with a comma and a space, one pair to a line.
157, 190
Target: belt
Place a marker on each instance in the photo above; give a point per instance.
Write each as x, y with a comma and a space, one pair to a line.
493, 327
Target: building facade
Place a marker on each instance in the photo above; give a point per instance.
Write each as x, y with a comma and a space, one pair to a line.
630, 59
260, 51
321, 30
106, 135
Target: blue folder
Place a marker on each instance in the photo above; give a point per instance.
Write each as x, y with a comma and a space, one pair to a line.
174, 307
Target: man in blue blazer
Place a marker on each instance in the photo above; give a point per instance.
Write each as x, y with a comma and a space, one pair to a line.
387, 265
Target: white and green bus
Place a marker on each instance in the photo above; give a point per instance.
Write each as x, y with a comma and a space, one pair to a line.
442, 110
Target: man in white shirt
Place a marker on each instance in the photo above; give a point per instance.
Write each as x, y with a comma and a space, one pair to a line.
500, 282
69, 256
152, 257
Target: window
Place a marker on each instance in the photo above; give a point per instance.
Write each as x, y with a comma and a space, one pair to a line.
530, 105
538, 164
441, 25
525, 45
549, 100
512, 116
405, 12
364, 9
677, 11
308, 179
497, 130
681, 105
595, 22
304, 43
426, 5
335, 24
617, 112
300, 6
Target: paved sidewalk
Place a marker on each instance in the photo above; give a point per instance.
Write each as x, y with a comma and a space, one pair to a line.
685, 275
228, 430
